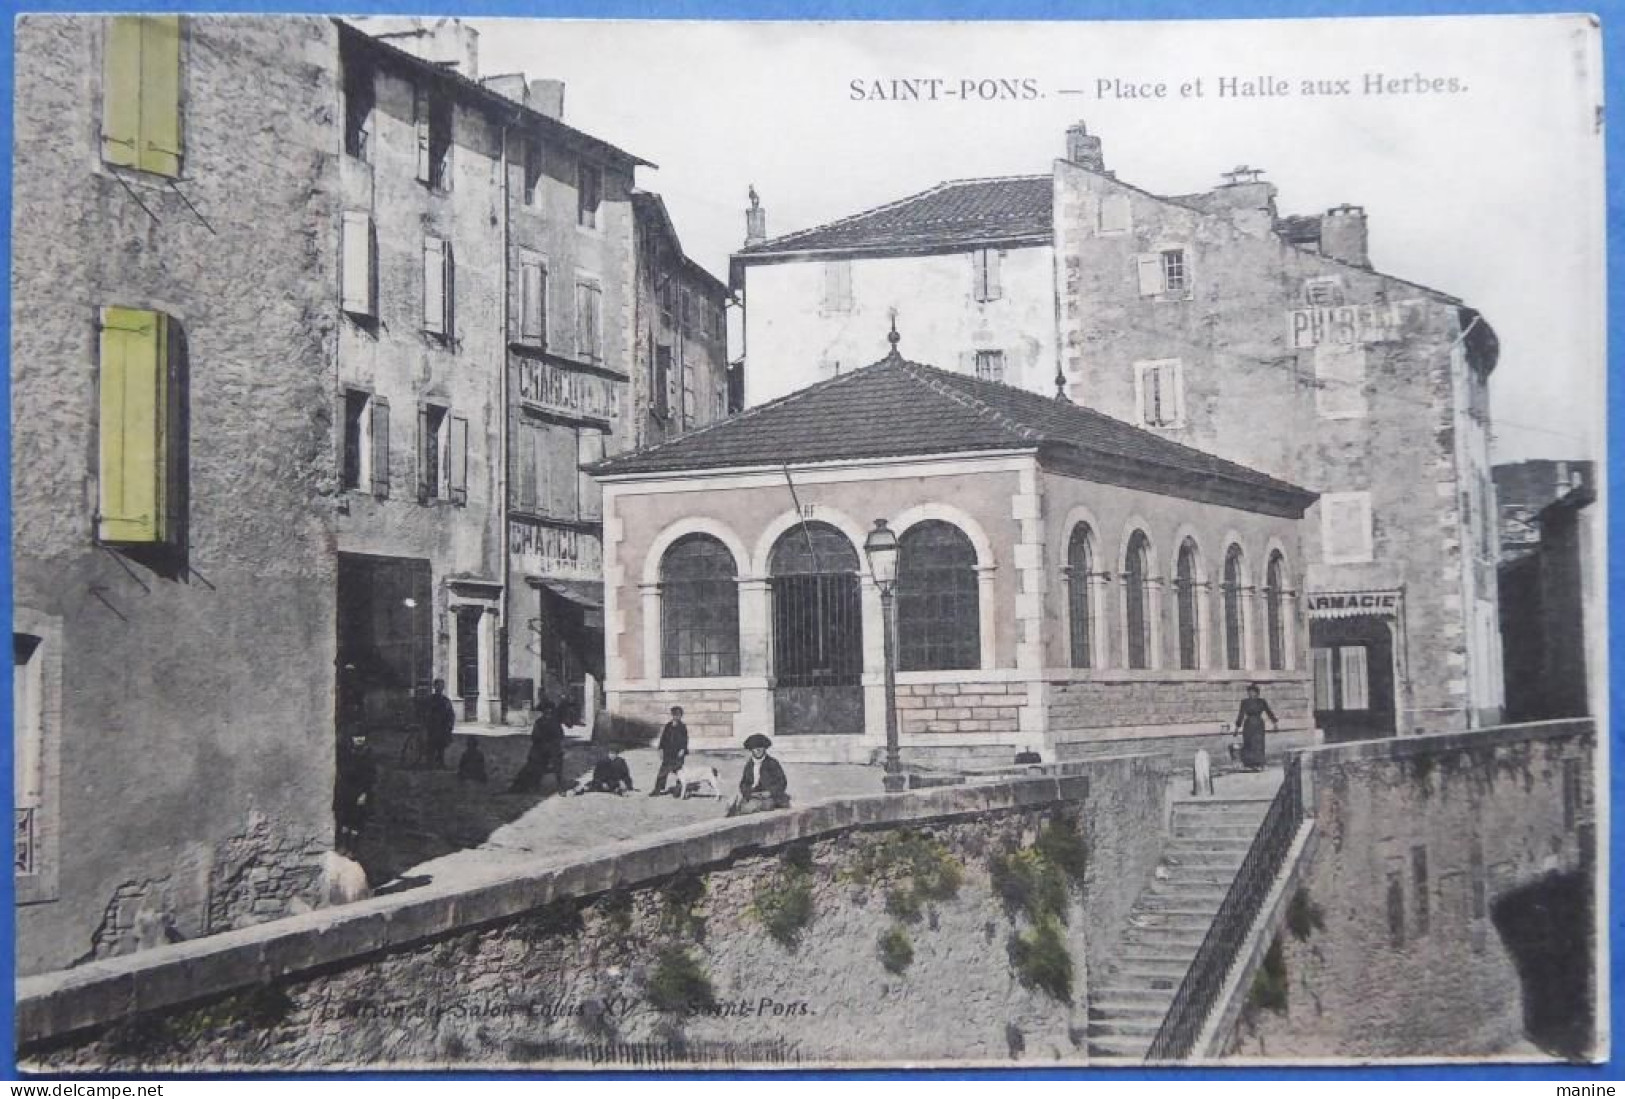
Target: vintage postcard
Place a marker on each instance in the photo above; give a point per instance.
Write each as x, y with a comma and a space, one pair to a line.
543, 544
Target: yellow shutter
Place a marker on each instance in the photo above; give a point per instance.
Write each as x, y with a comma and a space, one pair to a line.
134, 351
161, 94
121, 92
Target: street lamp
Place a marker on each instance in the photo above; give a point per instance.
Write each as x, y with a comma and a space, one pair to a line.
880, 547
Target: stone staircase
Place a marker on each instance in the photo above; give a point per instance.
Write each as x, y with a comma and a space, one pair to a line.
1208, 842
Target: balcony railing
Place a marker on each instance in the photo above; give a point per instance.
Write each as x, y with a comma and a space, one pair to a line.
1198, 993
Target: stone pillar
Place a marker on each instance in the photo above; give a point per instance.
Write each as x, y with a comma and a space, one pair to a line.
755, 666
651, 631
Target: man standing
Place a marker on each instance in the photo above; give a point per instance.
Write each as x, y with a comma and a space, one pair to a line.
439, 718
546, 755
673, 750
763, 785
352, 794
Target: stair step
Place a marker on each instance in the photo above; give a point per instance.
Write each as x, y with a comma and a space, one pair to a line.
1169, 919
1181, 942
1154, 1010
1159, 998
1209, 845
1118, 1048
1124, 1028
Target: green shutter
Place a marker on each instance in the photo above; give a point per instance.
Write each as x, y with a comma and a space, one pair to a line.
161, 95
133, 481
121, 91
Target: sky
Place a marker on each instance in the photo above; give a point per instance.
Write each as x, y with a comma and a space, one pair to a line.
1492, 192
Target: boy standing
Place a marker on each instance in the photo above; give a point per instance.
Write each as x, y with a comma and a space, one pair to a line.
673, 749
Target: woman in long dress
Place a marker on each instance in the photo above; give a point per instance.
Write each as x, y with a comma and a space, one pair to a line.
1250, 720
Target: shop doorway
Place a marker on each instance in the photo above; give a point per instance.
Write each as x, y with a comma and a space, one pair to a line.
1353, 661
385, 639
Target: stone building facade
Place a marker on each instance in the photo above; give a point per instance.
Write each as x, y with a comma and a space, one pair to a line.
174, 469
489, 331
969, 265
1067, 581
1210, 320
681, 378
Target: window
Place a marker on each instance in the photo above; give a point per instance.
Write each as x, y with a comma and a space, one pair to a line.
1275, 593
442, 456
1137, 600
360, 97
439, 288
838, 286
660, 383
1116, 214
1159, 391
532, 300
699, 609
141, 94
549, 460
1165, 273
589, 194
1345, 527
1324, 292
686, 313
1419, 887
689, 407
28, 740
433, 113
985, 264
938, 612
668, 291
359, 277
1187, 580
990, 366
1234, 626
1342, 675
141, 488
533, 171
1340, 381
1080, 580
719, 400
357, 438
589, 332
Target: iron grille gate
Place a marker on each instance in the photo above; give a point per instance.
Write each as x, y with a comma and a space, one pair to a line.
817, 633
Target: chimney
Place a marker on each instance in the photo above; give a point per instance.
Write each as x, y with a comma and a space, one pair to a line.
1083, 149
1563, 484
510, 86
755, 219
1343, 235
547, 97
449, 43
1249, 198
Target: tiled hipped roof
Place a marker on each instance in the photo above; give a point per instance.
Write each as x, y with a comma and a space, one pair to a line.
899, 409
962, 212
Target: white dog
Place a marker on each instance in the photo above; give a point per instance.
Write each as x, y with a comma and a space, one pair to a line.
1202, 774
694, 781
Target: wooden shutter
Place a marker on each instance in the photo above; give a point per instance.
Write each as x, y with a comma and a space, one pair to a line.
380, 447
357, 275
434, 285
589, 448
425, 461
1150, 268
1354, 676
457, 460
121, 91
528, 456
132, 507
531, 299
993, 264
420, 108
161, 94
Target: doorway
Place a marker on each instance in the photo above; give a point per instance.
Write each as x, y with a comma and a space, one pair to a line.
817, 632
1353, 660
468, 660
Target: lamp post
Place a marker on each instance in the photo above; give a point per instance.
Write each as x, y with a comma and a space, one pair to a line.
880, 547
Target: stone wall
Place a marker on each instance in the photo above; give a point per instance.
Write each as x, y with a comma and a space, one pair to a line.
781, 917
1447, 909
1200, 702
960, 707
187, 718
708, 712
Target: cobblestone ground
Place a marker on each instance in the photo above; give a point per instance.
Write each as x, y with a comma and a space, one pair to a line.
429, 825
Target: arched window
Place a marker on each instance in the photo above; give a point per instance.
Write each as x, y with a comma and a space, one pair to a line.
1186, 577
1137, 600
699, 609
1233, 630
1080, 571
817, 622
1274, 591
938, 617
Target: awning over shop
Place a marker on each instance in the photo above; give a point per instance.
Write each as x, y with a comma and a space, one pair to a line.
1353, 604
586, 594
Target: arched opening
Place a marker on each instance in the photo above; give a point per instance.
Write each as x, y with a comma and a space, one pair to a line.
1080, 578
1275, 617
938, 612
1234, 628
699, 609
1137, 600
817, 632
1187, 577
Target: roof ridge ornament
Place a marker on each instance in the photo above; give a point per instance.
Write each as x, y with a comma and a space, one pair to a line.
893, 338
